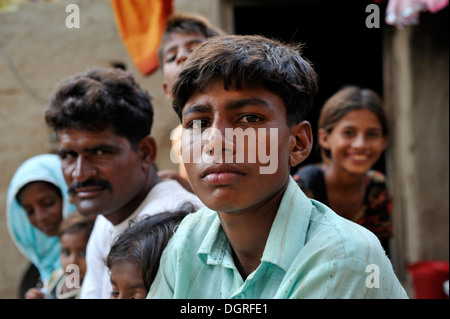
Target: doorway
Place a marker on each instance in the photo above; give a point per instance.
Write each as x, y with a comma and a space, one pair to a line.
342, 49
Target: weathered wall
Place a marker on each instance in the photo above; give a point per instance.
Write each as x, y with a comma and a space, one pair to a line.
416, 93
39, 50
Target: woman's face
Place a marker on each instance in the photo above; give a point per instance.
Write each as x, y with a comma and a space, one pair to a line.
356, 141
43, 204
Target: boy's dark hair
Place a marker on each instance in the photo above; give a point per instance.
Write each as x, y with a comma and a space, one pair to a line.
250, 61
187, 23
76, 223
144, 241
102, 98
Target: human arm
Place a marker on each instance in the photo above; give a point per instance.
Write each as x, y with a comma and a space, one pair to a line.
34, 293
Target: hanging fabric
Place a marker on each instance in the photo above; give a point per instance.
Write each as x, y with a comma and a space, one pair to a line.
141, 24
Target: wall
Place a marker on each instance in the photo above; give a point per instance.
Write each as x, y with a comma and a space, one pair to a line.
416, 78
37, 51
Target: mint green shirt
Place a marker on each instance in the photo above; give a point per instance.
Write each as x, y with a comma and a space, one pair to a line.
311, 252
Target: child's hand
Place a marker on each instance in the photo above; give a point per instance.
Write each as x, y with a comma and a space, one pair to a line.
34, 293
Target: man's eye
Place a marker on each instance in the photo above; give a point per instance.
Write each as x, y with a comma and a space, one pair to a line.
100, 152
67, 155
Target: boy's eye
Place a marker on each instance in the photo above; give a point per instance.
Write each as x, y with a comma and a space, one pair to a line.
197, 124
251, 118
170, 58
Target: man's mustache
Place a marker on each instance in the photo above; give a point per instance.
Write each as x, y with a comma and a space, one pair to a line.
90, 182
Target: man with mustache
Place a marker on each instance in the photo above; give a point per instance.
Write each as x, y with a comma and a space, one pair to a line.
103, 121
260, 236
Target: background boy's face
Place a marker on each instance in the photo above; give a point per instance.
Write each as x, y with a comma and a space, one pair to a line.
73, 252
175, 51
235, 186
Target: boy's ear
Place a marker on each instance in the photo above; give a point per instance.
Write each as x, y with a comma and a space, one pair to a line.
301, 144
323, 139
147, 151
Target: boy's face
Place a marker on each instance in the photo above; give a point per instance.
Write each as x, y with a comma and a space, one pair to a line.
175, 51
237, 147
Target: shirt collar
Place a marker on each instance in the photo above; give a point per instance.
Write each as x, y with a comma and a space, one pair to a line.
288, 233
286, 238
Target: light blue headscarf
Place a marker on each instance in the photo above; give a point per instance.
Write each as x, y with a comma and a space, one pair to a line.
42, 250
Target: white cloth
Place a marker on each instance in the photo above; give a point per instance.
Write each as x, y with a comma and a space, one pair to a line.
167, 195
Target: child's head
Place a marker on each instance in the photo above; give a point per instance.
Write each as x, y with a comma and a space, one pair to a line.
250, 61
348, 103
43, 203
74, 234
235, 84
134, 257
183, 33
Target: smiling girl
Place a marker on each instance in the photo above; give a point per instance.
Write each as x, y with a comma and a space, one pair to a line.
352, 135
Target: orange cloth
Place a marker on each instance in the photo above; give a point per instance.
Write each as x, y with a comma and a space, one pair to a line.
141, 24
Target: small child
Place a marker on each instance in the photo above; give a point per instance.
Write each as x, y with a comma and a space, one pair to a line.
134, 257
73, 234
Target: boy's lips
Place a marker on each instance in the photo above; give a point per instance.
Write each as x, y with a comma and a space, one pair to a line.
221, 174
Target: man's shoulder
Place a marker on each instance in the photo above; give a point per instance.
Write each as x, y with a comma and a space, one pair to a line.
168, 195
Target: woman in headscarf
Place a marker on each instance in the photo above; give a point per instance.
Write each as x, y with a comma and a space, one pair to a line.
37, 202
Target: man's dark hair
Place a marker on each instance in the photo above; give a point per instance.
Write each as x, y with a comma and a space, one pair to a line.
102, 98
250, 61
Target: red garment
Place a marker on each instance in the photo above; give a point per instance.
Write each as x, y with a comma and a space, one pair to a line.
141, 24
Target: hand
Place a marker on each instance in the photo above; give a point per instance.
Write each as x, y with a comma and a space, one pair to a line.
34, 293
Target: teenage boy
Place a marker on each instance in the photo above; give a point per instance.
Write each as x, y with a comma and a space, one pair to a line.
260, 236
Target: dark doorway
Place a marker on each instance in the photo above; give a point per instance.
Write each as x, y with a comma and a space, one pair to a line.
336, 40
